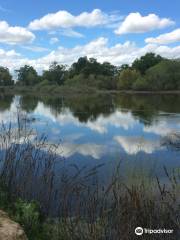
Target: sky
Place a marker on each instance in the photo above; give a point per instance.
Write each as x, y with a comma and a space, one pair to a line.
42, 31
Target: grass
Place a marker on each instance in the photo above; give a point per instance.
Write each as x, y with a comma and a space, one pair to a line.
69, 90
71, 203
48, 89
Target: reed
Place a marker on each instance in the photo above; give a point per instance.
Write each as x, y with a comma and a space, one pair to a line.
55, 202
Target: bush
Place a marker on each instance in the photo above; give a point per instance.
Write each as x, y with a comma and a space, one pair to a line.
43, 83
146, 61
164, 76
127, 78
28, 215
140, 84
96, 81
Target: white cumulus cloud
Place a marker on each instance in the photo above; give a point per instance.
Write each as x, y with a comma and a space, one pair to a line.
99, 48
8, 54
135, 144
166, 38
117, 54
14, 35
64, 19
88, 149
136, 23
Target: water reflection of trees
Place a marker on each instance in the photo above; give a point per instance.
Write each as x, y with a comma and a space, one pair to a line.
84, 107
145, 107
56, 104
5, 102
89, 107
28, 103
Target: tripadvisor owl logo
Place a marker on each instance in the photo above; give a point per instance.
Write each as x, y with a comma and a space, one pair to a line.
139, 231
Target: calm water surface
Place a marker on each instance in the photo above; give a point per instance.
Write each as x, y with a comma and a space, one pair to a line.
104, 128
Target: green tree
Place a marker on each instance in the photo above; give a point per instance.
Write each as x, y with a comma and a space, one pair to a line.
146, 61
92, 73
164, 76
91, 66
5, 77
55, 74
123, 67
127, 78
108, 69
141, 84
27, 75
78, 66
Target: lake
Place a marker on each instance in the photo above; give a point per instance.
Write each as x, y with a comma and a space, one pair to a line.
104, 128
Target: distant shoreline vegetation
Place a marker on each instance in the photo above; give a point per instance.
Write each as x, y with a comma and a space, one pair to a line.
149, 73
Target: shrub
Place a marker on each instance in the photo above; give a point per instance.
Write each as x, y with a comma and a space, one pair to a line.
140, 84
127, 78
28, 215
146, 61
164, 76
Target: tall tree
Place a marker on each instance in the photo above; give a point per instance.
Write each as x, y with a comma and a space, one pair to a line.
27, 75
164, 76
146, 61
127, 78
55, 74
5, 77
108, 69
91, 66
78, 66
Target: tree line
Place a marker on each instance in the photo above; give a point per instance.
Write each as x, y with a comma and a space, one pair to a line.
149, 72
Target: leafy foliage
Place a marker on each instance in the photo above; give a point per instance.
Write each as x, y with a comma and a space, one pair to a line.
91, 66
127, 78
164, 76
5, 77
28, 215
55, 74
140, 84
149, 73
27, 75
146, 61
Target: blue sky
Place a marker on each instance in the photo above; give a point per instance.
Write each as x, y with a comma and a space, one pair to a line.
39, 32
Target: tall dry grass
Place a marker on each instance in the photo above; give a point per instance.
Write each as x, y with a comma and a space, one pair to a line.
31, 169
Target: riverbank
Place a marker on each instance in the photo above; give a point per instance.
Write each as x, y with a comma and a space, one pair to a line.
10, 230
62, 90
54, 89
131, 205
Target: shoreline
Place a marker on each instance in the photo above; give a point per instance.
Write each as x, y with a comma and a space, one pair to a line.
70, 90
